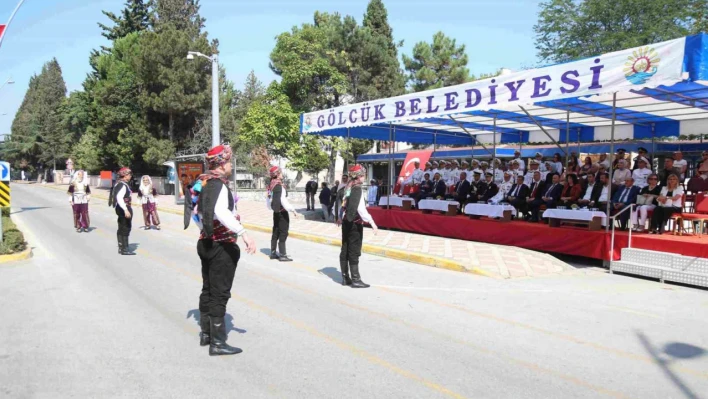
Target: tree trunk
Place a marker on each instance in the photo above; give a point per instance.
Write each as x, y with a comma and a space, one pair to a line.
332, 164
171, 129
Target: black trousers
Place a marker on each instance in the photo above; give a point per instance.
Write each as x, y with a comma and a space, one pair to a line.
352, 238
660, 216
310, 198
124, 224
281, 226
219, 261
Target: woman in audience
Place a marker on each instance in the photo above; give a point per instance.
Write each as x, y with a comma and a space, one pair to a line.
571, 191
557, 164
622, 173
646, 201
670, 202
586, 167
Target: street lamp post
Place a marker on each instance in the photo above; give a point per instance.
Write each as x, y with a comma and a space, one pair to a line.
215, 135
2, 34
9, 81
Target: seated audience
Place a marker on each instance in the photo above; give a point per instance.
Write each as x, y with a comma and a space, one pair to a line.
518, 194
462, 190
621, 174
585, 169
641, 173
504, 189
491, 188
439, 187
571, 192
624, 197
426, 189
534, 201
553, 192
591, 194
670, 202
646, 201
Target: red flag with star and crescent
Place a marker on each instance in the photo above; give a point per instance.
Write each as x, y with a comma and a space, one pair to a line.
411, 158
2, 29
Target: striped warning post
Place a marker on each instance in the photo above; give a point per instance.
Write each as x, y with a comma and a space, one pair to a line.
4, 193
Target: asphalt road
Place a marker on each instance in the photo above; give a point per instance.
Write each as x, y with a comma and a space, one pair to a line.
78, 320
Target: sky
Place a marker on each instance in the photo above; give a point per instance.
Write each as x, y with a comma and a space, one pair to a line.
496, 33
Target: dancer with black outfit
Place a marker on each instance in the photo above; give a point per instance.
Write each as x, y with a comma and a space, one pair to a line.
353, 217
120, 199
279, 204
217, 249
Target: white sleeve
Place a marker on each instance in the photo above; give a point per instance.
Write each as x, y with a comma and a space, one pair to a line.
284, 201
364, 214
224, 215
119, 198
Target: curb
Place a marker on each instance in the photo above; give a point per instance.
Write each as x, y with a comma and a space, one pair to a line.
24, 255
426, 260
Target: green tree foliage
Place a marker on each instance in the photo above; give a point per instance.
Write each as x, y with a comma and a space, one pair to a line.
308, 157
135, 17
271, 123
438, 64
568, 29
37, 131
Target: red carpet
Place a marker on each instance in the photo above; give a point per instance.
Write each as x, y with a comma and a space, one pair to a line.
535, 236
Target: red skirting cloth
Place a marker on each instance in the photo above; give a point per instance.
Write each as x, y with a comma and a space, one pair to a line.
81, 219
577, 241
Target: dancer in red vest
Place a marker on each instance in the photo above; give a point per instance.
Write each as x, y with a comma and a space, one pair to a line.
217, 249
354, 215
279, 204
79, 197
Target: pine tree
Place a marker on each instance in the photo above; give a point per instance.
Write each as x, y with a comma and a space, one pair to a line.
135, 17
375, 57
183, 15
438, 64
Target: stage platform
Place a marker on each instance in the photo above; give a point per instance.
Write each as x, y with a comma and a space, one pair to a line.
576, 241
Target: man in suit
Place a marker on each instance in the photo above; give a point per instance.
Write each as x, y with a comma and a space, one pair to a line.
534, 201
426, 189
325, 198
474, 187
491, 188
310, 191
517, 195
439, 187
553, 193
623, 198
591, 193
462, 190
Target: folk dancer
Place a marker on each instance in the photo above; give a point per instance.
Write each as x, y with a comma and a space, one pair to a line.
217, 249
79, 197
147, 195
354, 215
121, 198
280, 206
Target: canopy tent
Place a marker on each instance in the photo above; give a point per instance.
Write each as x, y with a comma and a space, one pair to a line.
659, 90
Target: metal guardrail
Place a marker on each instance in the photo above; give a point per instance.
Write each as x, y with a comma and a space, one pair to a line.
612, 220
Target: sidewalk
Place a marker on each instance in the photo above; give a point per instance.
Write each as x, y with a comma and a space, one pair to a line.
490, 260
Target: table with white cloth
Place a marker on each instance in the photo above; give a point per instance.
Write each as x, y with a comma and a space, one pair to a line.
504, 211
594, 219
402, 202
448, 207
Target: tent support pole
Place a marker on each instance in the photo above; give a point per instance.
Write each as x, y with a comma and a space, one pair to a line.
653, 147
612, 156
544, 130
471, 135
390, 159
567, 140
494, 142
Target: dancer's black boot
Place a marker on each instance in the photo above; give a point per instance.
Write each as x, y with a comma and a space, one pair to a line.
218, 345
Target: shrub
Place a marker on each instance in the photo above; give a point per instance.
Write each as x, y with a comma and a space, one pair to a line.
13, 241
6, 211
7, 224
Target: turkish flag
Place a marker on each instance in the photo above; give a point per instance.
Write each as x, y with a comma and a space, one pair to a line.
2, 30
413, 157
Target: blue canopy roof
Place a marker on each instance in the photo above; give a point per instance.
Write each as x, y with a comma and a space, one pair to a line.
640, 113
